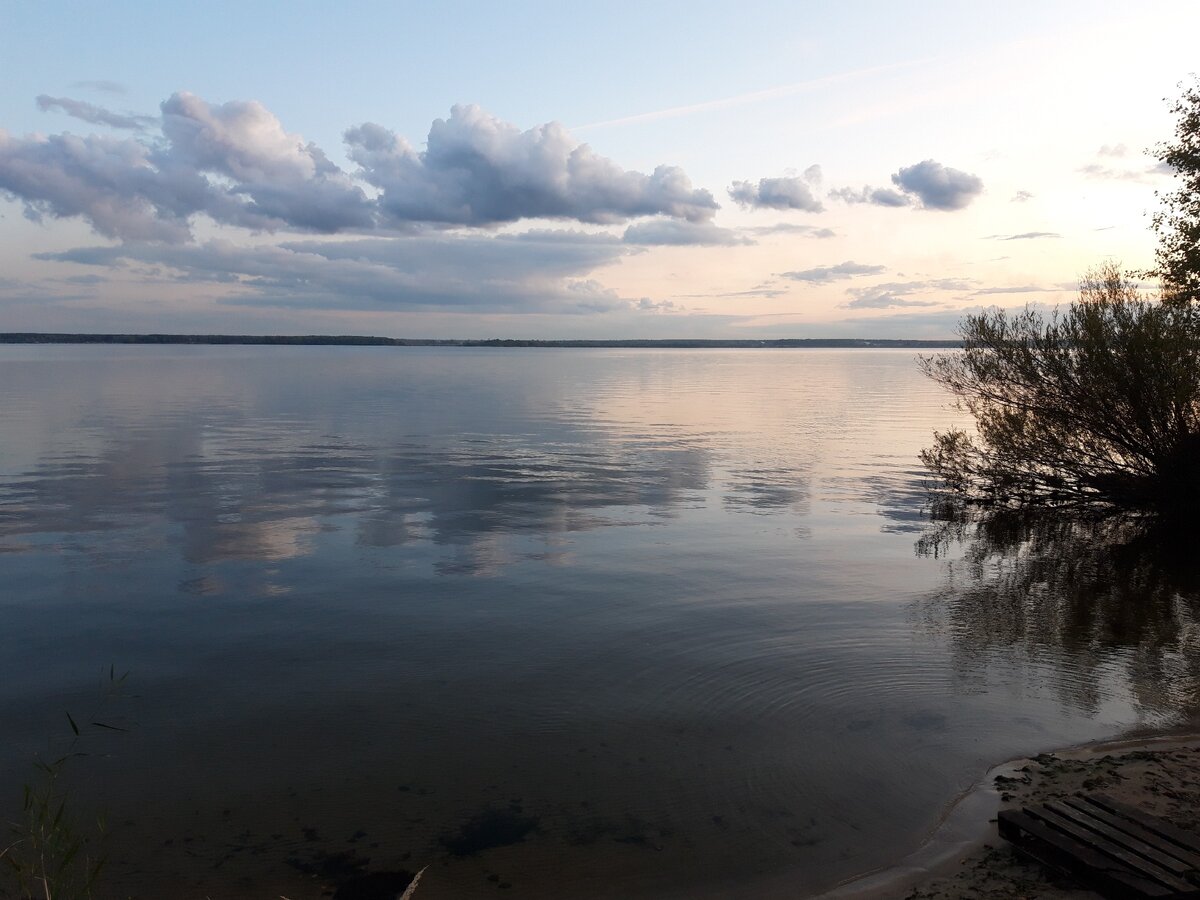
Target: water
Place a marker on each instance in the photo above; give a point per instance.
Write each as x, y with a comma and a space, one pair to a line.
557, 623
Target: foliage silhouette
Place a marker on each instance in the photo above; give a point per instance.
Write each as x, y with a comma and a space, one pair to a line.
1177, 257
1095, 406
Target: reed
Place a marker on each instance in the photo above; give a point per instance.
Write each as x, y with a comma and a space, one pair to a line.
51, 854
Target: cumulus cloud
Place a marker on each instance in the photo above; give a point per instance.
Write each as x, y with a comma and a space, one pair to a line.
937, 186
479, 170
673, 232
927, 185
278, 179
779, 193
96, 115
111, 182
1021, 196
873, 196
238, 165
827, 274
233, 163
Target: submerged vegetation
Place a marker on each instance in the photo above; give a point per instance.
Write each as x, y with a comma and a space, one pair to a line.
51, 852
1097, 406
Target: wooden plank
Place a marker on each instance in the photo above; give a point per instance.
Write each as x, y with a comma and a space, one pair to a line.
1119, 835
1060, 852
1142, 867
1188, 860
1162, 828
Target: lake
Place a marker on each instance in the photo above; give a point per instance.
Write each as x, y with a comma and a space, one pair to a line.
555, 623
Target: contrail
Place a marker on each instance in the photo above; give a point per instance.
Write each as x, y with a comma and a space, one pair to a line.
771, 93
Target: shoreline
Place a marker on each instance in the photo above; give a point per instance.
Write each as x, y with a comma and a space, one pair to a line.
963, 853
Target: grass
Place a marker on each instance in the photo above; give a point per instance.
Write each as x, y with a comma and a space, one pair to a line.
51, 854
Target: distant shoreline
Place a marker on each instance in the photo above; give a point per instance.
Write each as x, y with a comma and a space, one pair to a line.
369, 341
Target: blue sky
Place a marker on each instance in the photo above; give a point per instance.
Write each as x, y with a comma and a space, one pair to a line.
750, 170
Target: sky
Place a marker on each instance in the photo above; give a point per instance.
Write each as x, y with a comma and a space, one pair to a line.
574, 170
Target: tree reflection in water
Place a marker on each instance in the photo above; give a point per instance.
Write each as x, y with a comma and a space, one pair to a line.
1085, 600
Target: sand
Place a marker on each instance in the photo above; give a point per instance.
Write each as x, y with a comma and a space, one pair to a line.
966, 860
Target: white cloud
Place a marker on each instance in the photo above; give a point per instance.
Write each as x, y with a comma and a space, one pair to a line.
238, 165
479, 170
937, 186
874, 196
929, 184
779, 193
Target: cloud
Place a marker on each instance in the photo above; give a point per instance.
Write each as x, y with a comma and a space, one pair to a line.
763, 290
1022, 289
479, 170
97, 115
938, 187
535, 271
1021, 196
898, 294
278, 179
111, 182
658, 305
236, 164
673, 232
873, 196
779, 193
885, 300
790, 228
1143, 175
1024, 236
233, 163
827, 274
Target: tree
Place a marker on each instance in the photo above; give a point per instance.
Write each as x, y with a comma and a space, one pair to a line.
1177, 257
1095, 406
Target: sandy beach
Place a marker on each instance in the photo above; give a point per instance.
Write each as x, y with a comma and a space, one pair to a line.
965, 859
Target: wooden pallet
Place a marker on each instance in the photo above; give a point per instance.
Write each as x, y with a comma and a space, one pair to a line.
1116, 850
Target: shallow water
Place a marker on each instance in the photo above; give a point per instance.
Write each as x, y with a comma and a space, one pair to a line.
557, 623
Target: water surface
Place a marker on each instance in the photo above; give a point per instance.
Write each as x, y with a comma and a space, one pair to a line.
557, 623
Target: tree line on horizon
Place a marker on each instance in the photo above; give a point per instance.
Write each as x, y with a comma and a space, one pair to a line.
367, 340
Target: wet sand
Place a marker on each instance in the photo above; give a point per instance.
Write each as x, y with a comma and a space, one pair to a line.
966, 860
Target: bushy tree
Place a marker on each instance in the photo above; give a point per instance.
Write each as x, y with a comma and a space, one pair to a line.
1178, 225
1098, 405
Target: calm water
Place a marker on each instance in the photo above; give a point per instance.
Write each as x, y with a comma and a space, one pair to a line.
649, 624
